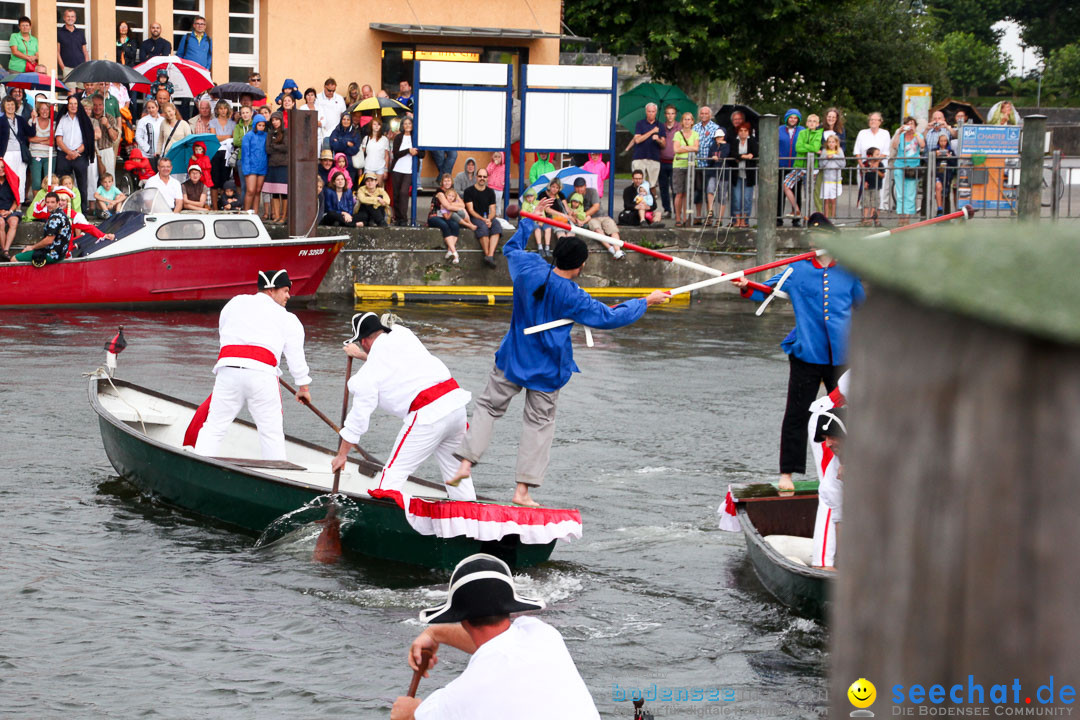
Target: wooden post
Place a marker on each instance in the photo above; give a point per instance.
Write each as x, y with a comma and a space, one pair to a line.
303, 160
1032, 143
768, 182
957, 553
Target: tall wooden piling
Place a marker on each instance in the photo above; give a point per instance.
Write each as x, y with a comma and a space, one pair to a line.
958, 552
1032, 145
303, 172
768, 180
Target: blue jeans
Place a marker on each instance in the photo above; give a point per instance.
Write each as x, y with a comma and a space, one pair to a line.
665, 186
742, 198
444, 160
447, 226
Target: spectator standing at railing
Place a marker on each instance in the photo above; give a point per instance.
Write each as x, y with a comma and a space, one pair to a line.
687, 143
832, 168
331, 107
834, 123
403, 159
936, 127
648, 141
735, 121
907, 150
789, 135
807, 142
873, 136
743, 162
706, 157
944, 169
667, 156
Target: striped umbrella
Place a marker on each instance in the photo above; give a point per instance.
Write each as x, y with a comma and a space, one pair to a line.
189, 78
31, 81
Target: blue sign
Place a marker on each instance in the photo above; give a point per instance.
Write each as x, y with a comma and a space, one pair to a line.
989, 140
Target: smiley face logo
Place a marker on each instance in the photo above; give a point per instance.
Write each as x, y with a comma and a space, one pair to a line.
862, 693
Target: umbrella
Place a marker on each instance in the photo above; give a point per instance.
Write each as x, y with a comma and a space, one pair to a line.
94, 71
31, 81
632, 104
180, 153
388, 106
233, 91
567, 176
188, 78
723, 118
950, 106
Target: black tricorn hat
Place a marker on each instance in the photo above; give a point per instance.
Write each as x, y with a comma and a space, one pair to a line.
831, 423
480, 586
818, 222
273, 279
363, 324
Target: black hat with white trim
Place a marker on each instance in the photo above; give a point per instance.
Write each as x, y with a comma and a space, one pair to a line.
480, 586
831, 424
273, 279
363, 324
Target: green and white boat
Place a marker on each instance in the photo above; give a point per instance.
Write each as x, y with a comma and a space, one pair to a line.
142, 431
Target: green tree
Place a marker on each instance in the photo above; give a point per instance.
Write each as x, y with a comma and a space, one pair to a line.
1047, 24
1063, 70
971, 63
977, 17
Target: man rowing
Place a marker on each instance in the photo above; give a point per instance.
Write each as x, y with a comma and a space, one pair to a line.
519, 669
827, 427
400, 376
823, 296
541, 363
255, 330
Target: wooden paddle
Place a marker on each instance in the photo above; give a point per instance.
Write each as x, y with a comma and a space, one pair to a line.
328, 544
333, 425
425, 658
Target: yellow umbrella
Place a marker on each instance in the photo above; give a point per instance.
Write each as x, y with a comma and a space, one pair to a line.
388, 106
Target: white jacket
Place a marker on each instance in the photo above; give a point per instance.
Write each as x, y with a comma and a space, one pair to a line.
258, 320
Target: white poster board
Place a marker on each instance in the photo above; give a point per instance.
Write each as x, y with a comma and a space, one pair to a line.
568, 120
465, 118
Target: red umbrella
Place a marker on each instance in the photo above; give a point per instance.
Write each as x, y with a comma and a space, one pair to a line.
31, 81
189, 78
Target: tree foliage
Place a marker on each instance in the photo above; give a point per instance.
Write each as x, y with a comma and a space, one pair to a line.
1063, 70
971, 63
977, 17
1047, 24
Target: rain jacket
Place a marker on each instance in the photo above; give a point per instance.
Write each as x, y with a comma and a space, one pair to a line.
342, 136
253, 159
541, 166
787, 147
203, 161
808, 141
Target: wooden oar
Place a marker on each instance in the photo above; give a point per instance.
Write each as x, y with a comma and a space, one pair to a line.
333, 425
965, 212
328, 544
425, 658
695, 286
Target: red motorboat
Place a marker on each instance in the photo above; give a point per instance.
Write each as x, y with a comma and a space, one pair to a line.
165, 257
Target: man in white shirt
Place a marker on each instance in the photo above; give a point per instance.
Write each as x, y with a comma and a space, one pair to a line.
75, 144
147, 130
828, 432
171, 190
400, 376
331, 107
254, 332
520, 669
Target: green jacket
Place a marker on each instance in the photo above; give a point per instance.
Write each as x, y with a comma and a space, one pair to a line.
238, 134
809, 141
538, 168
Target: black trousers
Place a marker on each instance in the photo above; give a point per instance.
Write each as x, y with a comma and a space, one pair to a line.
77, 169
402, 183
804, 381
371, 216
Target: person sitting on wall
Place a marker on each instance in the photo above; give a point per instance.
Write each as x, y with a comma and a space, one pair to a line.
595, 218
480, 204
56, 237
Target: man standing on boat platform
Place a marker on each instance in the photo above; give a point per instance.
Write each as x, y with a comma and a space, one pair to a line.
400, 376
541, 363
255, 330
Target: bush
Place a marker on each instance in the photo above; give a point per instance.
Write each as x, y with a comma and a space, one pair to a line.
1063, 70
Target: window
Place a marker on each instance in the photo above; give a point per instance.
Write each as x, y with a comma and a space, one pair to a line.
184, 14
133, 12
10, 12
235, 229
243, 39
82, 21
182, 230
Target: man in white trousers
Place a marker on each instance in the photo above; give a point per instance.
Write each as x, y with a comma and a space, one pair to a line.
255, 330
400, 376
827, 432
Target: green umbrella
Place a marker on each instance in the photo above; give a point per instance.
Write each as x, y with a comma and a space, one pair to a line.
632, 104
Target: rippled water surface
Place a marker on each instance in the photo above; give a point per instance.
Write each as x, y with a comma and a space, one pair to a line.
113, 605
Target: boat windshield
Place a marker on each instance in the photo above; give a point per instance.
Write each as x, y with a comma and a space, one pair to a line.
148, 201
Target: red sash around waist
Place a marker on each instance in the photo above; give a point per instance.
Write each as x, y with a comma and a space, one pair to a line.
433, 393
251, 352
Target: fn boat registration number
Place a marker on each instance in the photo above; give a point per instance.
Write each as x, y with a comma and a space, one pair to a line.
311, 253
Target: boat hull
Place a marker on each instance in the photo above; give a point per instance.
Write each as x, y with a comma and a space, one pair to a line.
172, 275
806, 590
251, 501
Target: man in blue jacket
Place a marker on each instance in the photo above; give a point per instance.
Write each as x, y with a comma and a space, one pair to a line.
543, 362
197, 46
789, 133
823, 296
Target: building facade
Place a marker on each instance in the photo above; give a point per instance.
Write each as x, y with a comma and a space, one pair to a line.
365, 41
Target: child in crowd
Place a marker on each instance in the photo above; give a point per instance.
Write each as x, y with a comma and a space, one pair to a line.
946, 164
577, 212
598, 167
108, 197
371, 203
528, 204
643, 203
871, 191
162, 82
230, 201
832, 167
808, 141
198, 157
69, 182
341, 165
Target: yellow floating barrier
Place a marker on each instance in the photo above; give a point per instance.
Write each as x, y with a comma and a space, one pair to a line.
484, 294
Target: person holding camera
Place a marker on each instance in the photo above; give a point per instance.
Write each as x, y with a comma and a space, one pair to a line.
907, 149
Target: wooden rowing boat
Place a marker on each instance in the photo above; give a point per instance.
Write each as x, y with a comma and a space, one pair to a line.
142, 431
779, 535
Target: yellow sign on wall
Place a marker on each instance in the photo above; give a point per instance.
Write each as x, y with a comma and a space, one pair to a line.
447, 55
915, 101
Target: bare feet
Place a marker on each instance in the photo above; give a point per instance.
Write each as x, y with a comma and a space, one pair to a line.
785, 482
464, 470
522, 497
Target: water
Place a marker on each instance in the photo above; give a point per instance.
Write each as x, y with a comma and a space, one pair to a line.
113, 605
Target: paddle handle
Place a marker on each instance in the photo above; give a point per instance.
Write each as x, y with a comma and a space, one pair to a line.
344, 412
322, 416
965, 213
425, 658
